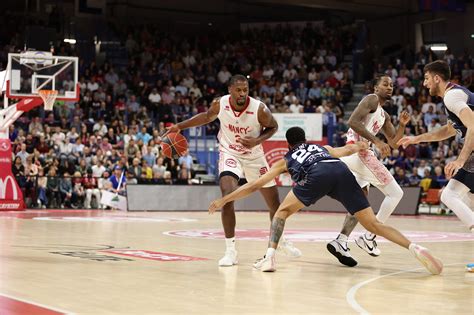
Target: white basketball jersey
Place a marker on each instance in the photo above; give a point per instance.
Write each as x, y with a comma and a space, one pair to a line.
373, 122
239, 124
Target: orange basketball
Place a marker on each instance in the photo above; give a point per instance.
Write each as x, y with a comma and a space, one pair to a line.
174, 145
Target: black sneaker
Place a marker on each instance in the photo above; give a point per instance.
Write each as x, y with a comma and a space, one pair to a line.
341, 253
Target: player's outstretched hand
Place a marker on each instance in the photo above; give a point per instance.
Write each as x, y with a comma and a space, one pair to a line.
404, 118
248, 142
452, 168
170, 129
406, 141
215, 205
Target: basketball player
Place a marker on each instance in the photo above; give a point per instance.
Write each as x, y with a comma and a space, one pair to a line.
458, 101
245, 123
367, 120
317, 172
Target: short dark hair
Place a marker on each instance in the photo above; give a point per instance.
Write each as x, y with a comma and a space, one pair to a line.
439, 67
237, 78
378, 77
295, 135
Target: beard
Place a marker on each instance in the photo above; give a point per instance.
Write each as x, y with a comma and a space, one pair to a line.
241, 101
434, 91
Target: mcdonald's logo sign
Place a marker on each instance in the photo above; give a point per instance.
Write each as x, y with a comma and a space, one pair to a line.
4, 187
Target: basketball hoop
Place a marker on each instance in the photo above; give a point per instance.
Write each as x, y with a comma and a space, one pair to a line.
48, 97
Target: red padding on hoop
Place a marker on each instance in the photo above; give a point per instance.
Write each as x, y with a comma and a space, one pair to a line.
28, 104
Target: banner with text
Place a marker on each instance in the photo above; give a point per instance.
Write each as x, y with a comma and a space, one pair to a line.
312, 124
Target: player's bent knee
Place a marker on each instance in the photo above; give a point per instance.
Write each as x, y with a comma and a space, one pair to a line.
448, 195
397, 193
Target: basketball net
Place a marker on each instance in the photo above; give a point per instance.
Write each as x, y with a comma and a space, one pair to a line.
48, 97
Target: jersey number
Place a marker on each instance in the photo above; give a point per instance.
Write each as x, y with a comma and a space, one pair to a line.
302, 154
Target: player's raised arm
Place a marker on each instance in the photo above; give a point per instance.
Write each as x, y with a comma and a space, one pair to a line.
348, 149
269, 124
389, 131
443, 133
366, 106
199, 119
245, 190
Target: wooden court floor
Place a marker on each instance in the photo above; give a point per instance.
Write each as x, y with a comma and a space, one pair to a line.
102, 262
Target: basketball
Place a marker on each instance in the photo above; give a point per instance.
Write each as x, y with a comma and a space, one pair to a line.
174, 145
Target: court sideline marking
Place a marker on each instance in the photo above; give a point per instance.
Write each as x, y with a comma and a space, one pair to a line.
350, 296
27, 303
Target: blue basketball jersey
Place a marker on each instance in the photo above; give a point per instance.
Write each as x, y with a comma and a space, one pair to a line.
457, 123
300, 159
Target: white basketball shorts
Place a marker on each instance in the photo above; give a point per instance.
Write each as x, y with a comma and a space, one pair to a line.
368, 169
251, 170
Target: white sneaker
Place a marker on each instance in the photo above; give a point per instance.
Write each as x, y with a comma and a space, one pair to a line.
433, 264
229, 259
288, 248
265, 264
368, 245
341, 252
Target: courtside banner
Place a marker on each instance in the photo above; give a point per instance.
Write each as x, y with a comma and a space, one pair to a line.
311, 123
11, 197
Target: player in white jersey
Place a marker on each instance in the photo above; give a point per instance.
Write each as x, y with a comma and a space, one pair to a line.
367, 120
245, 123
458, 101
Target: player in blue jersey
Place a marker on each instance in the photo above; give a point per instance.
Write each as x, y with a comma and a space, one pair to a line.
458, 101
317, 172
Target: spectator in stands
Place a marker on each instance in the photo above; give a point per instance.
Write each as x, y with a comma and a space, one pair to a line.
90, 184
118, 177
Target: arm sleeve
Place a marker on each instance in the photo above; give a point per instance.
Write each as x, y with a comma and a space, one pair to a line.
455, 100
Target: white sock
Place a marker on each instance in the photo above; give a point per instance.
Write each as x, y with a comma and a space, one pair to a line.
393, 194
342, 238
230, 243
270, 252
452, 196
411, 248
369, 236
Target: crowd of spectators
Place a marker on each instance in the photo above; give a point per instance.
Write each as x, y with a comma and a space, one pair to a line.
67, 156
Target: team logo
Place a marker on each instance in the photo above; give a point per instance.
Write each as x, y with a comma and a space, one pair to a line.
231, 163
319, 235
263, 170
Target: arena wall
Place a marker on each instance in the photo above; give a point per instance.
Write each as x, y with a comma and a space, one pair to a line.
198, 198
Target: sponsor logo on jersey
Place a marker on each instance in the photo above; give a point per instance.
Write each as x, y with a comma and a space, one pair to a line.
239, 148
263, 170
231, 163
250, 113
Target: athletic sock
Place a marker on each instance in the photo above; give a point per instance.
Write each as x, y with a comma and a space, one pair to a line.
230, 243
270, 252
342, 238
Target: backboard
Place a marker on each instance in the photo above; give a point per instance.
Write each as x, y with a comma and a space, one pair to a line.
32, 71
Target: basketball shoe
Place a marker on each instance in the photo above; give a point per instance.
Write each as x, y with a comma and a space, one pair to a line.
431, 263
265, 264
287, 247
229, 259
368, 244
341, 252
